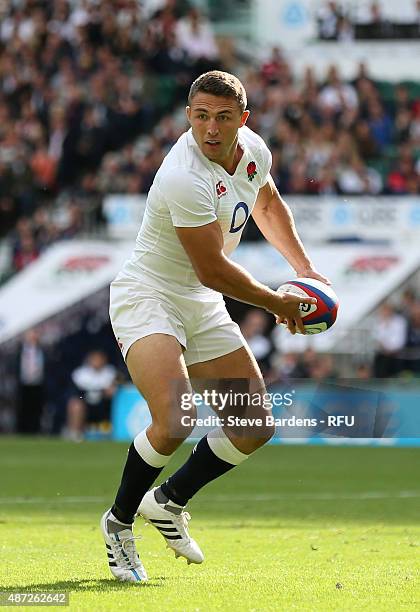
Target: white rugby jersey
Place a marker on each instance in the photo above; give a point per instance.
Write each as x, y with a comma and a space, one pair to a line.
189, 190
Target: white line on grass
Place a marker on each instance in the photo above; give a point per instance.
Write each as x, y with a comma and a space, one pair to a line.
323, 496
60, 499
330, 496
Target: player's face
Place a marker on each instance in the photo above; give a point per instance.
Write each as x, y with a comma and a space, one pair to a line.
215, 121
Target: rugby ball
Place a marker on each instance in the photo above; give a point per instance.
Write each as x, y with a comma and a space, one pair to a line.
318, 317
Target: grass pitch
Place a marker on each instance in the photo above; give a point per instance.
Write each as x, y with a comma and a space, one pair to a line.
294, 528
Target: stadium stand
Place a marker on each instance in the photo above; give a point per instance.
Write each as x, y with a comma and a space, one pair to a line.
91, 99
367, 21
369, 146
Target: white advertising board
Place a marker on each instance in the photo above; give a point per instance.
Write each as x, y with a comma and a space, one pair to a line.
67, 273
387, 218
289, 24
124, 214
317, 218
362, 277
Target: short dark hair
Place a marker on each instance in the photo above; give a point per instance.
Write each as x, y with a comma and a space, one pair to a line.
218, 83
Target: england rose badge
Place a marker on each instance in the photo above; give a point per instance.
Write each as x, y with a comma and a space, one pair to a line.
251, 170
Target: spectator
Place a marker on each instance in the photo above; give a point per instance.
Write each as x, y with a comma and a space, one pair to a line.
328, 20
412, 352
364, 372
403, 125
254, 327
408, 302
365, 143
286, 367
380, 124
336, 96
275, 71
322, 368
355, 178
375, 13
31, 376
345, 29
390, 334
93, 386
26, 252
399, 178
195, 36
401, 99
371, 18
44, 168
8, 214
327, 184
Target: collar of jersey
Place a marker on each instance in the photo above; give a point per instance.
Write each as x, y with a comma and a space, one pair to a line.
193, 143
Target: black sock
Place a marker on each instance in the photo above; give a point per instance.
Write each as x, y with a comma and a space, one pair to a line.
202, 467
138, 476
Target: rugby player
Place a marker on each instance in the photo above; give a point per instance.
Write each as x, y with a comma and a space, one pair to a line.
169, 316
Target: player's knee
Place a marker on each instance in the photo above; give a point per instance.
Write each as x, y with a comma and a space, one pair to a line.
176, 425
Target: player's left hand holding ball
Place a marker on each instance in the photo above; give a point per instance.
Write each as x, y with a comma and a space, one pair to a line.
312, 273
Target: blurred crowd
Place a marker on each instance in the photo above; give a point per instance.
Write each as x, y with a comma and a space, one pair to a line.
78, 79
395, 335
92, 96
346, 21
330, 137
336, 137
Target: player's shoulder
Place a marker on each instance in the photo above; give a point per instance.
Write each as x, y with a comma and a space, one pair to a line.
186, 154
257, 147
183, 169
252, 140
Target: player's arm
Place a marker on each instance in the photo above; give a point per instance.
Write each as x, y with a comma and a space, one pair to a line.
204, 246
275, 220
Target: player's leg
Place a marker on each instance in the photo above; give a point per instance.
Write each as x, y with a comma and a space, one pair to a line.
238, 373
157, 368
222, 449
216, 349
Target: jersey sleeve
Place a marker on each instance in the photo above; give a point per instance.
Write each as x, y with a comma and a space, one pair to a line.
189, 198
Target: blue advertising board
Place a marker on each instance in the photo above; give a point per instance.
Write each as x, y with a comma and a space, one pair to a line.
328, 413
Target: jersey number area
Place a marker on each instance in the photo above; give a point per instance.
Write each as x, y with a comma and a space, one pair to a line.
239, 217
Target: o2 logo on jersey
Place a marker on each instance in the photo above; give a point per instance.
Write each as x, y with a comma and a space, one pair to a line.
239, 217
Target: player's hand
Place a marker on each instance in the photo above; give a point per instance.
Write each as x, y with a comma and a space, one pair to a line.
288, 310
312, 273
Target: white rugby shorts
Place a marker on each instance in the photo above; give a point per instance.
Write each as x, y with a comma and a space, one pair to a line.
204, 329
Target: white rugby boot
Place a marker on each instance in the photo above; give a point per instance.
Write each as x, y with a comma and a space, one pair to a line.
123, 559
172, 523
